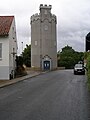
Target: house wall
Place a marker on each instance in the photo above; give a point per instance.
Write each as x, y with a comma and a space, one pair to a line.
12, 48
4, 62
9, 45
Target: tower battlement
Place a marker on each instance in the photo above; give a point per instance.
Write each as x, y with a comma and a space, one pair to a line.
45, 6
54, 18
35, 17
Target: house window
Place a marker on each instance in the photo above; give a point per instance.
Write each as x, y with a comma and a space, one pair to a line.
0, 50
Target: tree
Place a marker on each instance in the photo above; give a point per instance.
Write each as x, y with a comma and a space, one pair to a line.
19, 61
27, 56
20, 70
68, 57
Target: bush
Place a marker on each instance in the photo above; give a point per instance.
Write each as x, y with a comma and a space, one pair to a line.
88, 82
88, 70
20, 70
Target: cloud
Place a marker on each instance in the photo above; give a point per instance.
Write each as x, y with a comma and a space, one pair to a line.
73, 20
74, 24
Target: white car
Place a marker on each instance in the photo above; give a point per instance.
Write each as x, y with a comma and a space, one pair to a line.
79, 69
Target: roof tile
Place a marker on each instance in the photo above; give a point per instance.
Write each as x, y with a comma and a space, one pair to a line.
5, 24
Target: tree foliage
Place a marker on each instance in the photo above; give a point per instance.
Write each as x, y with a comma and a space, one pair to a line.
19, 61
68, 57
20, 70
27, 56
87, 57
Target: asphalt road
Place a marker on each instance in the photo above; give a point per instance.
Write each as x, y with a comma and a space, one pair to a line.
57, 95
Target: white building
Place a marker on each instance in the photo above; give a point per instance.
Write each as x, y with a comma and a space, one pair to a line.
8, 47
44, 39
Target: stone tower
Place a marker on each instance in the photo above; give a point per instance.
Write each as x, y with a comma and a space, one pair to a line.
44, 39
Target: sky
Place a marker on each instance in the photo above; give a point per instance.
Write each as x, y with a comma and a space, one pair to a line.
73, 20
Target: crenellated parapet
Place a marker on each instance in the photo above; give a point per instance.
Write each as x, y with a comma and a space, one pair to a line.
45, 11
46, 14
45, 6
54, 18
35, 17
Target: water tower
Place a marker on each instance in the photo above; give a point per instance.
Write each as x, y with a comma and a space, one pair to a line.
44, 39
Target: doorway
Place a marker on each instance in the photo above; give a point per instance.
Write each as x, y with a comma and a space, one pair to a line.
46, 65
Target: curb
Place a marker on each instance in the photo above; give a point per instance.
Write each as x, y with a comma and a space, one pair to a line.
16, 80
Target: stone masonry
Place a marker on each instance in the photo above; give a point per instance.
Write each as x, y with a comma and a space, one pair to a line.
44, 39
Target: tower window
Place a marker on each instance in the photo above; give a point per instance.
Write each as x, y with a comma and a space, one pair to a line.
35, 42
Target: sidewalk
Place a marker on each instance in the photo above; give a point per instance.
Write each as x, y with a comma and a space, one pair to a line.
30, 74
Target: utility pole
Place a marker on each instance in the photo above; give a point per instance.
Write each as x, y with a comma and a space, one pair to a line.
22, 46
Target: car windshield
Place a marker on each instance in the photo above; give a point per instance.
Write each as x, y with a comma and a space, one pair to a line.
78, 66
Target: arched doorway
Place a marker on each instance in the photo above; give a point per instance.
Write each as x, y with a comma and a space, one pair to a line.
46, 63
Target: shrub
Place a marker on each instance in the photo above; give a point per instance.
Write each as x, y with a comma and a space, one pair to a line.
88, 70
